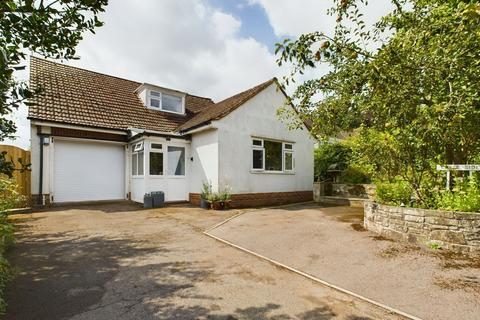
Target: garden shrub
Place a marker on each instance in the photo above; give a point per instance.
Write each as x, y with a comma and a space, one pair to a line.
465, 196
9, 198
329, 154
393, 193
355, 174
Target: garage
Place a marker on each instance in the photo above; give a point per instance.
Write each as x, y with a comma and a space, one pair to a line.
88, 171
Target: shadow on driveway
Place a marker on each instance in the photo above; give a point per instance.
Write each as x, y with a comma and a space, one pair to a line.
108, 265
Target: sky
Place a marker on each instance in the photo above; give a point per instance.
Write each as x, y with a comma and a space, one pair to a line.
212, 48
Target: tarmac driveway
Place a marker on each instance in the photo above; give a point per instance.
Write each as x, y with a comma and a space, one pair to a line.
123, 262
331, 244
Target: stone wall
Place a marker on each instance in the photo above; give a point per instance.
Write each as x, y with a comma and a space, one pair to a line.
346, 190
459, 231
343, 190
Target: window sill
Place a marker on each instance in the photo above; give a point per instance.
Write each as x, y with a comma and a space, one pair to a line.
291, 173
156, 176
138, 177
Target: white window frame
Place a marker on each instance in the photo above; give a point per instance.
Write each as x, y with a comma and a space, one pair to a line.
160, 98
156, 150
260, 148
284, 152
184, 162
136, 149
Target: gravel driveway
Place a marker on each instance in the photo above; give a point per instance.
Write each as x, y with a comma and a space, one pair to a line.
118, 261
331, 244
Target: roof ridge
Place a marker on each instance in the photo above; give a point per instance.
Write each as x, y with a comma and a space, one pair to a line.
215, 110
111, 76
83, 69
265, 83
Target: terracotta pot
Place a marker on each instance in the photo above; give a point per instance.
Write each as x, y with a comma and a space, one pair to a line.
217, 205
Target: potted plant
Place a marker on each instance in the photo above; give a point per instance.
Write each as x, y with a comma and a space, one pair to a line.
225, 198
205, 195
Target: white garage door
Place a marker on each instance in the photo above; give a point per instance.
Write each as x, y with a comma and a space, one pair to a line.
88, 171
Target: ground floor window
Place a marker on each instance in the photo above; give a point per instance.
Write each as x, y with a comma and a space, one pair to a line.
137, 160
156, 163
176, 161
271, 155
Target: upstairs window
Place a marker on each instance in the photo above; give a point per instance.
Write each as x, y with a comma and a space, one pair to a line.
165, 102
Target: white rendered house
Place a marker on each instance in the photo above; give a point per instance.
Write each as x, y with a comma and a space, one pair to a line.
98, 137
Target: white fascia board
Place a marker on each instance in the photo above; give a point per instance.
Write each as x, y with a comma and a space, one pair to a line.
212, 125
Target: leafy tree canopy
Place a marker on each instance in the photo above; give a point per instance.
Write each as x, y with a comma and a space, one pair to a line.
52, 28
412, 81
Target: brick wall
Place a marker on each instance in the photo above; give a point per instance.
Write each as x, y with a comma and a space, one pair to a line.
459, 231
243, 200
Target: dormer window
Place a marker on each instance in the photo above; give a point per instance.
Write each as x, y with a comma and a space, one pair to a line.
165, 102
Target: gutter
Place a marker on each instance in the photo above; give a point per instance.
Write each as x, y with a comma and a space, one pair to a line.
200, 128
153, 133
41, 200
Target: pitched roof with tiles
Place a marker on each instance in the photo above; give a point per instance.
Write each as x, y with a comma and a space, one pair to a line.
81, 97
224, 107
76, 96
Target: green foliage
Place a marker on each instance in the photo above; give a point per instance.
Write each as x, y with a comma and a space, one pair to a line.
9, 198
223, 195
206, 189
434, 246
329, 155
51, 28
340, 156
355, 174
394, 193
465, 196
408, 82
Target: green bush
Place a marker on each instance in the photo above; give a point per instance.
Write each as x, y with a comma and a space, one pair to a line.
393, 193
328, 155
9, 198
355, 174
465, 196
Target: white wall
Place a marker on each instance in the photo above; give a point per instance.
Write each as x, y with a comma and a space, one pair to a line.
258, 118
176, 188
204, 167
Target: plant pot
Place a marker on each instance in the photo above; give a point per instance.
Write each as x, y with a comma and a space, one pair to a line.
227, 204
217, 205
205, 204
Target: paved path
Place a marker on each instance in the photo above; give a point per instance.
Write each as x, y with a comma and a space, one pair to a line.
120, 262
330, 244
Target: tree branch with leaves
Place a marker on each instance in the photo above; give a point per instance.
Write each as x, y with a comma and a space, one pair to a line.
50, 28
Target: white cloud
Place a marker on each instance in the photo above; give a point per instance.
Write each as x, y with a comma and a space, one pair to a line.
189, 45
293, 18
182, 44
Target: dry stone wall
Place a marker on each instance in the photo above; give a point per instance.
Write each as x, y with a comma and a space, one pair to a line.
459, 231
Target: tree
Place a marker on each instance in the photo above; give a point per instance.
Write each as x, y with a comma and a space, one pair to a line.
52, 28
412, 80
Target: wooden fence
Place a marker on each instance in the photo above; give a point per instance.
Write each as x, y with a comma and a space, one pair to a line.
21, 178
